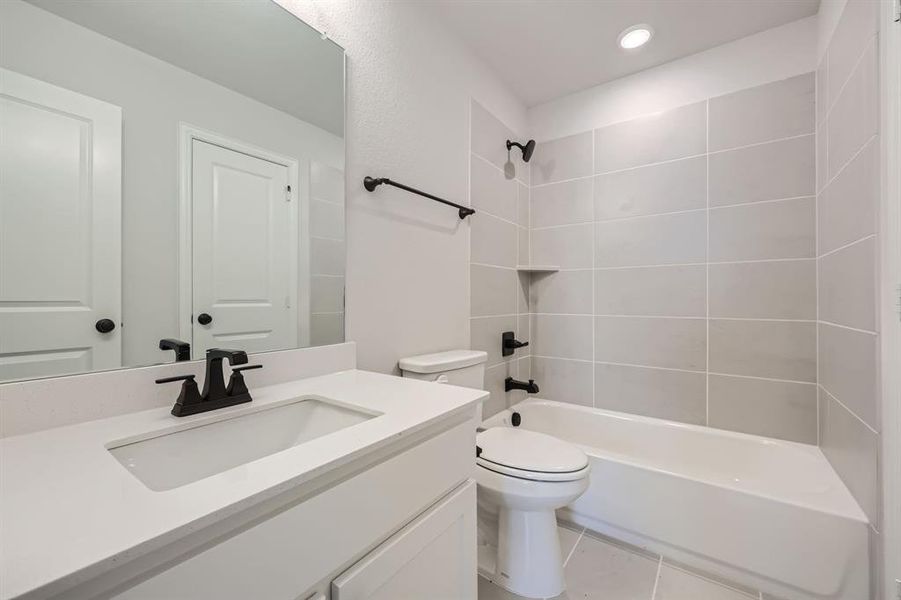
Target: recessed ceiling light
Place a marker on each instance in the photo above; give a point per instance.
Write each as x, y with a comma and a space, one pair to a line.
635, 36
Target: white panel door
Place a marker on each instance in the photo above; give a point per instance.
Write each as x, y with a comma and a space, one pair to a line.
433, 557
244, 238
60, 229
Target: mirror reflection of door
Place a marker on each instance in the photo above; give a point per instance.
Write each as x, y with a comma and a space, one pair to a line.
60, 230
244, 251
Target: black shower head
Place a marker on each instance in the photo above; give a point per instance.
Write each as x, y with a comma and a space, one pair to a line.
527, 150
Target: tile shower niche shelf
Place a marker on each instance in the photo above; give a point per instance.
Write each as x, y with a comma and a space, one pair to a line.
537, 268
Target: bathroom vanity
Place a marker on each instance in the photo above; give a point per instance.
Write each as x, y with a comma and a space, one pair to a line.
325, 487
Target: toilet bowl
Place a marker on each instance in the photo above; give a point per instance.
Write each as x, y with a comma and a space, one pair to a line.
523, 477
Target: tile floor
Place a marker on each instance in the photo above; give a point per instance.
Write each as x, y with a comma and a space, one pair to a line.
598, 568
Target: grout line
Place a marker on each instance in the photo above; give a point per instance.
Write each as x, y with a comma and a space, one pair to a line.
851, 412
333, 276
811, 196
758, 378
672, 160
853, 157
491, 266
482, 158
499, 218
840, 248
680, 317
674, 212
573, 549
594, 252
657, 577
706, 279
328, 239
851, 73
816, 247
867, 331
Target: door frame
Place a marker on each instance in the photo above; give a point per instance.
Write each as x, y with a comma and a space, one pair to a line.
187, 134
890, 294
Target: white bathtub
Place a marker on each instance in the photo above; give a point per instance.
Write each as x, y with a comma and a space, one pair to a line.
765, 513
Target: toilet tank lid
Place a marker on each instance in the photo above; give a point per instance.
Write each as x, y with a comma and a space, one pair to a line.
443, 361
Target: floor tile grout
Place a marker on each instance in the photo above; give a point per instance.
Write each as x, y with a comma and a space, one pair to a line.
573, 549
657, 578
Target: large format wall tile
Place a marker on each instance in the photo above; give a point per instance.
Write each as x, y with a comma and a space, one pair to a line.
488, 137
326, 219
562, 336
764, 290
848, 361
326, 294
659, 240
326, 328
567, 292
655, 138
326, 183
847, 280
494, 385
855, 116
492, 291
676, 291
853, 449
326, 256
856, 28
655, 342
491, 191
774, 349
822, 157
485, 334
667, 187
783, 169
779, 409
767, 112
847, 207
562, 203
569, 247
563, 158
493, 241
563, 380
662, 393
764, 230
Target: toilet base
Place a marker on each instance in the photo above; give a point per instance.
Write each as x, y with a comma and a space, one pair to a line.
527, 559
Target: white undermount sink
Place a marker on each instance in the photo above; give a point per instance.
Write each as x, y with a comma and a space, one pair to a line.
172, 459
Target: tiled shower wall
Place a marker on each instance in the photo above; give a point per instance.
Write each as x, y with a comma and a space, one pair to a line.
847, 203
499, 241
686, 242
326, 254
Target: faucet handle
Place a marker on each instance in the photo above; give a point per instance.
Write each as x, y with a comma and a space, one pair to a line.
236, 385
189, 395
176, 378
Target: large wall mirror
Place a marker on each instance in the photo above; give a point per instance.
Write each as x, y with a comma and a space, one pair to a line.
171, 180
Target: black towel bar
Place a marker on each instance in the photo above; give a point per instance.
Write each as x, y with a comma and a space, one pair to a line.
370, 183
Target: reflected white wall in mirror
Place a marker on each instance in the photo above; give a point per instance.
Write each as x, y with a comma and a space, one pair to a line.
168, 170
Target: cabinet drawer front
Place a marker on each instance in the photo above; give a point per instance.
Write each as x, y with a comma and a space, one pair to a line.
287, 554
433, 557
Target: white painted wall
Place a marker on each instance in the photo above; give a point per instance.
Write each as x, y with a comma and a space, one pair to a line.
764, 57
154, 97
409, 84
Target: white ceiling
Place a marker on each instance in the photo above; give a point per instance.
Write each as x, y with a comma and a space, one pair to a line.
253, 47
546, 49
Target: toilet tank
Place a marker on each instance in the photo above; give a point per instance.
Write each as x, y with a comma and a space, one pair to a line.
465, 368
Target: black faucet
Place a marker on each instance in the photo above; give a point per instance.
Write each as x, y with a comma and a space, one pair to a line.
182, 349
215, 394
509, 343
513, 384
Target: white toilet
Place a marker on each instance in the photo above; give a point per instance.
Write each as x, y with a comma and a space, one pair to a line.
523, 477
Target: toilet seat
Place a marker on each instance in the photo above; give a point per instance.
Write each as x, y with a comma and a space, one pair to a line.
530, 455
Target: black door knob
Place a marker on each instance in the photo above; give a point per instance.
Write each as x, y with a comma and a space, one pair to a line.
204, 319
105, 325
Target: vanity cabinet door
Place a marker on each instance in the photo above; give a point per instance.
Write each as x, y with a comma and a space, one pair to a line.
433, 557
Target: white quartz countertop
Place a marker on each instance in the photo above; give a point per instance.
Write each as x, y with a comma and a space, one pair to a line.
69, 511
